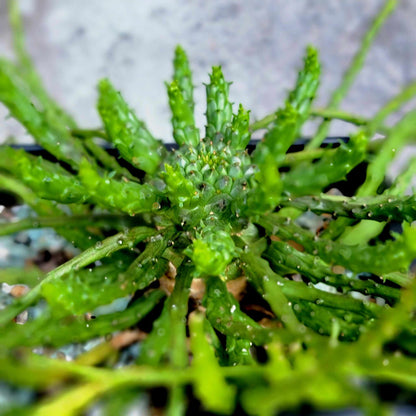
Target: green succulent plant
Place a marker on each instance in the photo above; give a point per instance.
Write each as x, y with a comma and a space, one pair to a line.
336, 296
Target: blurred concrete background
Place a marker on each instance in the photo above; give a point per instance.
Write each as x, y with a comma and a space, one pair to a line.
259, 43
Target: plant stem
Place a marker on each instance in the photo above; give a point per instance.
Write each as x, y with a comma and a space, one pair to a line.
106, 160
351, 73
381, 208
293, 290
27, 68
65, 221
391, 106
14, 186
334, 114
210, 385
402, 132
107, 247
316, 270
89, 133
73, 400
263, 123
305, 156
328, 113
79, 237
309, 155
331, 114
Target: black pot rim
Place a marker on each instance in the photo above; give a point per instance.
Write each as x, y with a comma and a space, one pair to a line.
298, 145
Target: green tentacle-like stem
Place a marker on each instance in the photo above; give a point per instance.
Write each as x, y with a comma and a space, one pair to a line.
379, 259
107, 247
126, 131
79, 237
89, 133
306, 178
402, 133
381, 208
406, 94
360, 121
353, 70
56, 331
127, 196
183, 75
283, 257
48, 180
184, 130
224, 313
219, 109
210, 384
285, 128
77, 221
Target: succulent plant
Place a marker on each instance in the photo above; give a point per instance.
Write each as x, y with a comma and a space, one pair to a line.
198, 237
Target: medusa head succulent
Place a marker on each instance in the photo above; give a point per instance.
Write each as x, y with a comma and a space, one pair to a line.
210, 210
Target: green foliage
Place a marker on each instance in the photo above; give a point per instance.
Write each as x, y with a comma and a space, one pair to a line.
307, 178
126, 131
213, 252
246, 278
54, 330
225, 315
182, 74
210, 386
40, 122
184, 130
48, 180
126, 196
285, 128
219, 109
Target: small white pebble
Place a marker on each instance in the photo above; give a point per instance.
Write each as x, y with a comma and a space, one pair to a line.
21, 318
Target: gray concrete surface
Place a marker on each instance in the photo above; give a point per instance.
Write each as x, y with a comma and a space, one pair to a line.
259, 43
